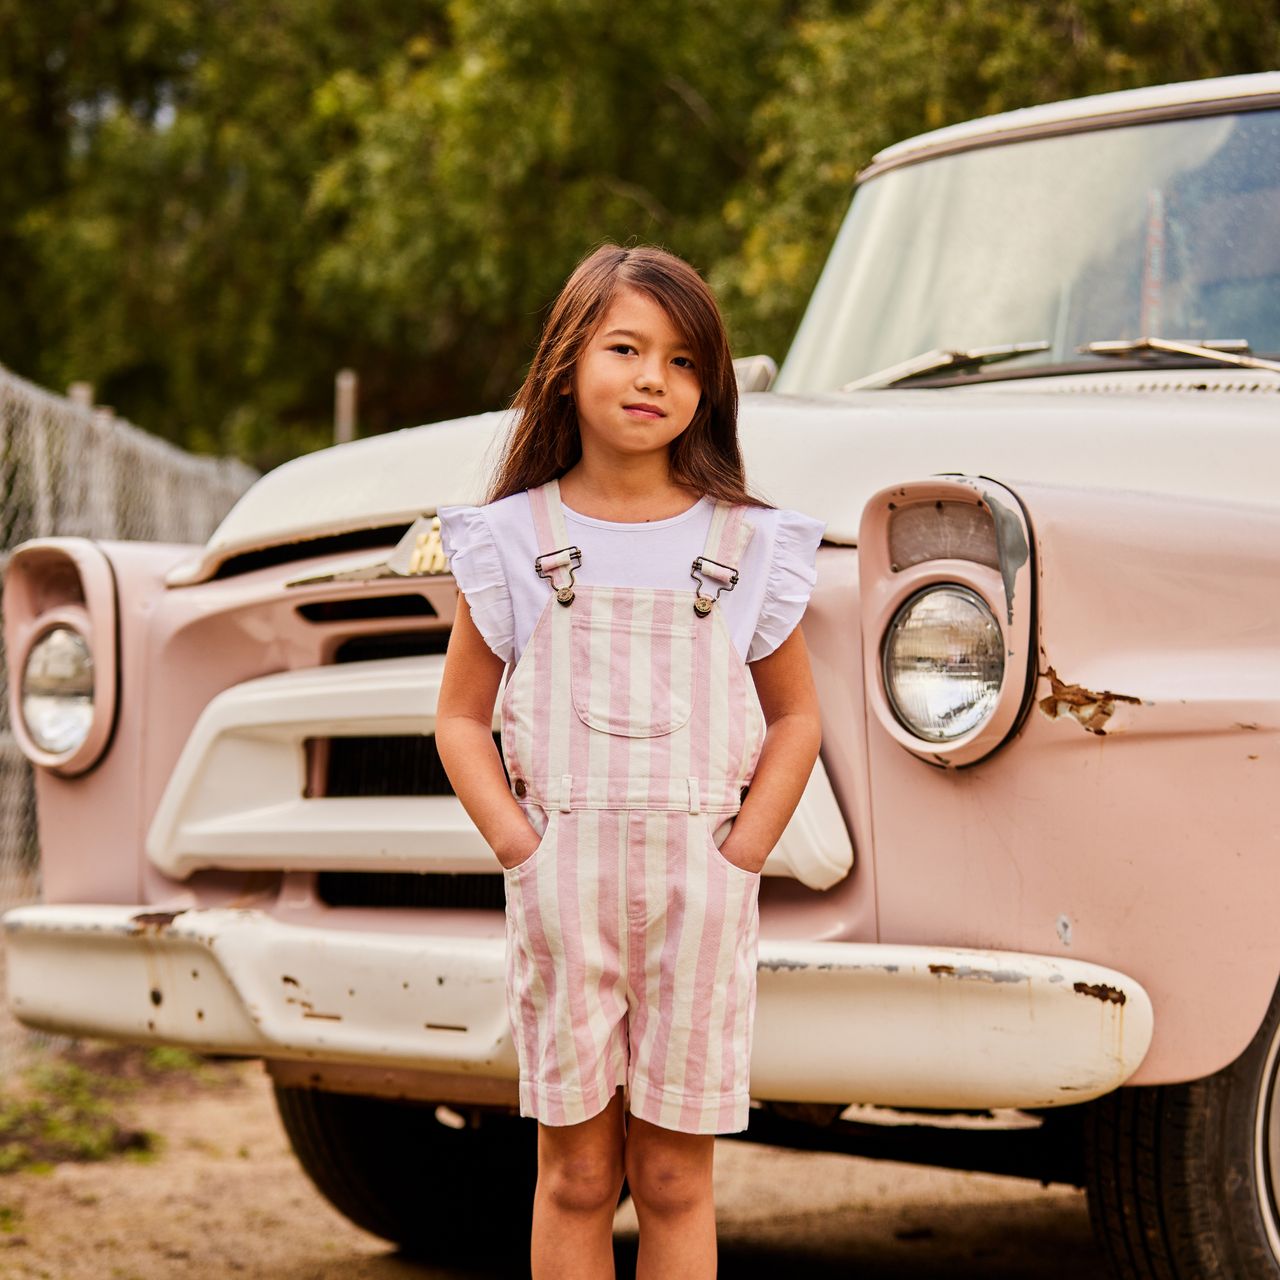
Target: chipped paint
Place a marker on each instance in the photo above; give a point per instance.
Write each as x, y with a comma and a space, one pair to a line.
1089, 709
1011, 546
153, 921
974, 974
1100, 991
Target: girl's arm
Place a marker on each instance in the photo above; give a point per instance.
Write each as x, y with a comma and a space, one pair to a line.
789, 700
464, 738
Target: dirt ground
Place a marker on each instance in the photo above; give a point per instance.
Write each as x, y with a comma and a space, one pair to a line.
225, 1198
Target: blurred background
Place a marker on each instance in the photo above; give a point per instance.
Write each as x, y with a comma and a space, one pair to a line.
209, 207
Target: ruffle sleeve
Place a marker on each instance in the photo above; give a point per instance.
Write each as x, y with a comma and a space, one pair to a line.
792, 574
468, 543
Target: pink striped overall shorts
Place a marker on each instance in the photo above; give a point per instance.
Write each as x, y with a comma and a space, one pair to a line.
630, 730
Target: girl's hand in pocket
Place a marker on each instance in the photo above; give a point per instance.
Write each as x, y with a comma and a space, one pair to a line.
742, 855
519, 846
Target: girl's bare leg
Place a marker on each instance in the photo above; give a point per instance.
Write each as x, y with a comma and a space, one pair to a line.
579, 1180
669, 1175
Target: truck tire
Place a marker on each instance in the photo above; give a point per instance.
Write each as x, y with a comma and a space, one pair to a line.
394, 1169
1184, 1180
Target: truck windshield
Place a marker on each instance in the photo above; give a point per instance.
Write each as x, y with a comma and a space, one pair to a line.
1168, 229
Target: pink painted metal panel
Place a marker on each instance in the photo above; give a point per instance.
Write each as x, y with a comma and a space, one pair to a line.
1131, 822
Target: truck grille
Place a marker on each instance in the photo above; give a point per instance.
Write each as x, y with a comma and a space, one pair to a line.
397, 766
410, 889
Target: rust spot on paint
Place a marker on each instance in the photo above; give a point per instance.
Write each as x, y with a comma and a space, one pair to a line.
289, 981
1242, 725
153, 921
942, 968
156, 996
1100, 991
327, 1017
1089, 709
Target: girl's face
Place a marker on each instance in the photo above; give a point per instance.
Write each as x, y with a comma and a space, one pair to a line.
634, 385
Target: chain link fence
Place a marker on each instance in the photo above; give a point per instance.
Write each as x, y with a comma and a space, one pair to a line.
68, 469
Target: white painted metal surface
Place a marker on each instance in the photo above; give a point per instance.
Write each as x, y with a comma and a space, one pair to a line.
1189, 94
836, 1022
853, 444
235, 797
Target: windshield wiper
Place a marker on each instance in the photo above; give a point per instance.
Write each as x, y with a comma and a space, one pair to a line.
936, 360
1233, 351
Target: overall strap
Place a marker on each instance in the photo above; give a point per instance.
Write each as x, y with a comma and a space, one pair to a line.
727, 539
556, 558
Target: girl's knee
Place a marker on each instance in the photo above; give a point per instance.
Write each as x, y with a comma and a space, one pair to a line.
581, 1182
669, 1179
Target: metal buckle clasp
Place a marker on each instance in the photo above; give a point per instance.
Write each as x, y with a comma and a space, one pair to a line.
702, 604
563, 594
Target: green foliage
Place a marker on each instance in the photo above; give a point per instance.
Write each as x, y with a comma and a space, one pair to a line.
856, 78
210, 206
64, 1107
63, 1113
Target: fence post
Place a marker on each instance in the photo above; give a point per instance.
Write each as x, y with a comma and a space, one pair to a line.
344, 406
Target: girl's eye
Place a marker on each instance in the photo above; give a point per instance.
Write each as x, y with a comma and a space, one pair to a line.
622, 347
684, 362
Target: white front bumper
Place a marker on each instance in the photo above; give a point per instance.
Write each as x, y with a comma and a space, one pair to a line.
836, 1022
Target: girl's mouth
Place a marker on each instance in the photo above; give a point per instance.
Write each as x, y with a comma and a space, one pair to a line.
649, 412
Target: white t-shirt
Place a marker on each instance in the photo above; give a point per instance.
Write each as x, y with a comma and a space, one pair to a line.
491, 550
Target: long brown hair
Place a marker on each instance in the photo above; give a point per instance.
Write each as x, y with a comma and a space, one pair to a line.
543, 440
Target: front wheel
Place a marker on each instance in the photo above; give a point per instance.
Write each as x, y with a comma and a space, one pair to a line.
393, 1168
1184, 1180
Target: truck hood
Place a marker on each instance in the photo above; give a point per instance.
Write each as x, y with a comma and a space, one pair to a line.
824, 455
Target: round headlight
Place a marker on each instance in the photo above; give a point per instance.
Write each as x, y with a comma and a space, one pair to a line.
57, 691
943, 662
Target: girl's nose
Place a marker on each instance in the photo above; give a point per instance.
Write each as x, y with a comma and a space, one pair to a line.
649, 377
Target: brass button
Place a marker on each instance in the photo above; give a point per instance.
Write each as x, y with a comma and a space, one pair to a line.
520, 787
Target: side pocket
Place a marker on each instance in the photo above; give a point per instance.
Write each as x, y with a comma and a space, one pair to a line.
716, 836
541, 820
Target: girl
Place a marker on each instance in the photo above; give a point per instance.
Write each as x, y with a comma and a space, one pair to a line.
630, 848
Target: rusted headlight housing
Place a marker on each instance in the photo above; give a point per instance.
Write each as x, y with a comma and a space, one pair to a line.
57, 691
943, 662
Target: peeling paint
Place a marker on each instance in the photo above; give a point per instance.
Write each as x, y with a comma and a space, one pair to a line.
153, 921
1100, 991
1089, 709
970, 973
776, 966
1011, 546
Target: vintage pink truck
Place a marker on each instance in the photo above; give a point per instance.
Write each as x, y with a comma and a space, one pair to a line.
1034, 881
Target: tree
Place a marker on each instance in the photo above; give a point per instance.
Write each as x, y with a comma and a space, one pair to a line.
855, 78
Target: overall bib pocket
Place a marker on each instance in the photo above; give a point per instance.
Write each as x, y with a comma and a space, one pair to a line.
614, 694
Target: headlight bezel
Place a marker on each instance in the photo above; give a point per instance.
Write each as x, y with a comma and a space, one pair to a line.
63, 582
1000, 572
